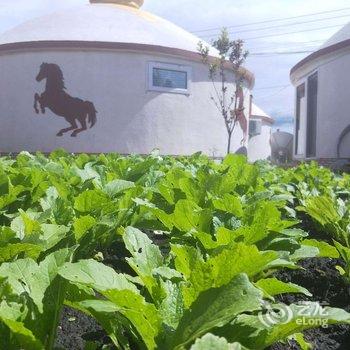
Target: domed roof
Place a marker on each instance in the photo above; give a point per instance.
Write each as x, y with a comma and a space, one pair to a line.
104, 21
108, 24
132, 3
342, 35
258, 113
338, 41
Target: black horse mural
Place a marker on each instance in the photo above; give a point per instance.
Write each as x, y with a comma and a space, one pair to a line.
59, 102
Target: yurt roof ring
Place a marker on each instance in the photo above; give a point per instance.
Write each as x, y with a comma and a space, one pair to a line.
132, 3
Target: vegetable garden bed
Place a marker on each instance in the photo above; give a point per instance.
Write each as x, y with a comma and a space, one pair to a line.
107, 251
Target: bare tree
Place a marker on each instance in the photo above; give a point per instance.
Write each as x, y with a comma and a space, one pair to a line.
231, 58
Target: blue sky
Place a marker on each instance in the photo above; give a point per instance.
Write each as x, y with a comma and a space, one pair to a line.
273, 91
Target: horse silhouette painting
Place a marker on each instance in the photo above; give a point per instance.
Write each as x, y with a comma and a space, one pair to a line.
59, 102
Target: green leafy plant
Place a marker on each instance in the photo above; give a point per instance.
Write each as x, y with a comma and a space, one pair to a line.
185, 297
176, 253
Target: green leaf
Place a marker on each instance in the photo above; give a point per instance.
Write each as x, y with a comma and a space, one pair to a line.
91, 345
11, 196
235, 161
95, 275
145, 258
240, 258
24, 225
259, 332
229, 204
284, 244
90, 201
101, 306
7, 236
341, 270
118, 186
215, 308
299, 338
87, 173
345, 255
50, 266
167, 192
167, 273
212, 342
325, 249
11, 251
23, 335
172, 306
143, 316
223, 237
304, 252
82, 225
343, 251
262, 218
273, 286
163, 217
322, 209
24, 276
11, 310
193, 192
219, 269
30, 225
188, 215
45, 325
52, 234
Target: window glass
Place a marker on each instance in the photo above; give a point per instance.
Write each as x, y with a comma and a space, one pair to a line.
167, 78
300, 115
255, 127
312, 87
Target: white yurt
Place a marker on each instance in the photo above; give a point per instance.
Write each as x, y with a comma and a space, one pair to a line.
322, 115
260, 124
108, 77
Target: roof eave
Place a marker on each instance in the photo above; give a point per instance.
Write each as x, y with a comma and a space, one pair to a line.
269, 120
100, 45
317, 54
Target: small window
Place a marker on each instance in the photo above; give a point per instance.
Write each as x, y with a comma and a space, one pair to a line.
255, 127
173, 78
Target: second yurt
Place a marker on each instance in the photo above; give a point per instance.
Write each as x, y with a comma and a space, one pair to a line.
260, 124
322, 83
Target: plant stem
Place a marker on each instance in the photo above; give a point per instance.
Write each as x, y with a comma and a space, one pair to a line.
229, 142
61, 292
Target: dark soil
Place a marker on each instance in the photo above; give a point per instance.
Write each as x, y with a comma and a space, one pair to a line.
75, 329
321, 278
292, 345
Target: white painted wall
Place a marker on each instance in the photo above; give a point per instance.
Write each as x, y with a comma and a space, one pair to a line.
333, 106
259, 147
130, 118
333, 103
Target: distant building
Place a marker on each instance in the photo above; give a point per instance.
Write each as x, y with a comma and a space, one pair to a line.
281, 147
322, 117
260, 123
